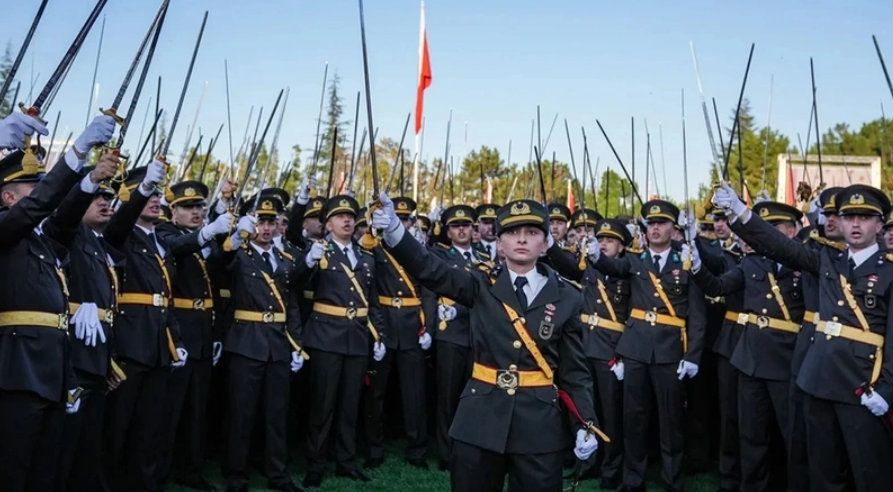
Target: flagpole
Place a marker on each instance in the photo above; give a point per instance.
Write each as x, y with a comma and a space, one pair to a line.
423, 80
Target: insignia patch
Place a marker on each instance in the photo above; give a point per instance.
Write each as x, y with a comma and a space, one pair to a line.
546, 330
556, 211
266, 205
618, 299
870, 301
520, 208
491, 211
872, 278
764, 212
676, 272
460, 213
402, 206
655, 209
795, 294
550, 307
677, 290
605, 227
344, 203
796, 274
189, 192
857, 199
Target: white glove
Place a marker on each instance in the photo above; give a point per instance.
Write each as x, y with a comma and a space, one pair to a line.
15, 127
695, 257
219, 226
425, 341
822, 220
317, 250
98, 132
378, 350
687, 368
154, 174
617, 369
71, 408
297, 361
183, 354
308, 183
815, 206
875, 403
726, 199
434, 216
594, 251
247, 224
690, 223
446, 313
217, 351
385, 218
586, 445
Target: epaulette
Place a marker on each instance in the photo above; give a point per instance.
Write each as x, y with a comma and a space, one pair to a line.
570, 282
287, 255
444, 246
635, 251
890, 257
571, 248
484, 266
364, 250
815, 236
710, 236
733, 253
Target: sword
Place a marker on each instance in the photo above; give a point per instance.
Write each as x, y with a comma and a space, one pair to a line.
737, 113
818, 135
214, 141
11, 74
619, 161
397, 158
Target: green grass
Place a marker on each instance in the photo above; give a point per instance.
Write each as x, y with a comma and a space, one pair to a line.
395, 475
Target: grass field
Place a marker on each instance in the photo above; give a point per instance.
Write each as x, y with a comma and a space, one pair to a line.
396, 475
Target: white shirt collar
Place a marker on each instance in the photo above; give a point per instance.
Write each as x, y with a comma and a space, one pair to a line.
146, 230
462, 251
863, 255
261, 250
535, 282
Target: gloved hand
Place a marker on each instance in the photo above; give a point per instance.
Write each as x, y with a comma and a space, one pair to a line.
307, 184
617, 369
378, 350
687, 368
98, 132
691, 225
446, 313
385, 218
434, 216
248, 225
71, 408
822, 219
217, 351
726, 199
183, 354
425, 341
593, 250
317, 250
15, 127
875, 403
586, 445
695, 257
219, 226
154, 174
814, 206
297, 361
87, 326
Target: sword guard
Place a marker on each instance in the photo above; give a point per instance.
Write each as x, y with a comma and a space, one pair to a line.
111, 112
32, 111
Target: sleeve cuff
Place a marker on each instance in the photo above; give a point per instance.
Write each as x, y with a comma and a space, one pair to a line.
143, 190
393, 238
88, 186
221, 207
72, 161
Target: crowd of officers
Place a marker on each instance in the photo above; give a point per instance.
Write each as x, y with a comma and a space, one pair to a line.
141, 318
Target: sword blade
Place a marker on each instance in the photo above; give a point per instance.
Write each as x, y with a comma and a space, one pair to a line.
11, 74
198, 43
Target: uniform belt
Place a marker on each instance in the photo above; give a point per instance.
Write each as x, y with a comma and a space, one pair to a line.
657, 318
157, 300
511, 378
196, 304
349, 313
399, 302
810, 317
34, 318
774, 323
225, 293
833, 329
105, 315
594, 320
258, 317
308, 294
733, 317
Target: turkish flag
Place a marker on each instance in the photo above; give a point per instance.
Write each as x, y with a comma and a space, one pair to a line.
424, 73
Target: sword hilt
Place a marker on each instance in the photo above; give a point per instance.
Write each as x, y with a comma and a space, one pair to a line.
32, 111
114, 115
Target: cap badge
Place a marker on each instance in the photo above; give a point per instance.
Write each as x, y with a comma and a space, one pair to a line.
189, 192
460, 213
655, 209
266, 205
764, 212
605, 227
556, 210
857, 199
520, 208
402, 206
491, 211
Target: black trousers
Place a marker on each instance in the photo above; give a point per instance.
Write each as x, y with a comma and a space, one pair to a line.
134, 430
729, 443
411, 371
81, 447
454, 365
847, 440
187, 400
609, 408
30, 431
798, 456
252, 382
336, 383
759, 402
641, 383
474, 469
701, 412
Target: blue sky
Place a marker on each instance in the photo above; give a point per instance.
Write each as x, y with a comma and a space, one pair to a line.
493, 62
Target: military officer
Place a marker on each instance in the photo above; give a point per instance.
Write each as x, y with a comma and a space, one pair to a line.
660, 346
559, 216
408, 312
605, 312
773, 312
846, 371
486, 218
527, 349
37, 384
264, 343
339, 334
583, 220
360, 225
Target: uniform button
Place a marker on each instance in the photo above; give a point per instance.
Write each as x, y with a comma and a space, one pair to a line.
41, 257
871, 356
351, 303
511, 392
401, 280
513, 367
656, 294
144, 251
473, 390
517, 344
829, 337
834, 318
811, 339
351, 289
764, 310
840, 303
598, 301
399, 292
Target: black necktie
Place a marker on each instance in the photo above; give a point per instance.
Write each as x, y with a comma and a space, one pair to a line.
852, 264
268, 266
520, 282
467, 255
657, 262
152, 243
348, 255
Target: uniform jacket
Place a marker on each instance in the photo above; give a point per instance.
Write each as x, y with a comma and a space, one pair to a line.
458, 330
726, 338
527, 420
600, 343
711, 247
34, 358
142, 331
333, 286
834, 367
402, 325
659, 344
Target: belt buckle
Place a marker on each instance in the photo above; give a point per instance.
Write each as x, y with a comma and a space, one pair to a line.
507, 379
351, 313
762, 322
157, 300
832, 329
198, 304
815, 318
63, 322
397, 302
267, 317
651, 317
742, 318
109, 316
593, 320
